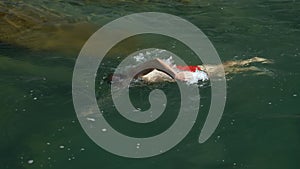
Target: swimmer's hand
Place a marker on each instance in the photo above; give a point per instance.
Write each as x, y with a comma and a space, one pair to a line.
179, 76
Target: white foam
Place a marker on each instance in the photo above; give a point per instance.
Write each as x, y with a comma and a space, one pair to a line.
198, 75
169, 61
139, 58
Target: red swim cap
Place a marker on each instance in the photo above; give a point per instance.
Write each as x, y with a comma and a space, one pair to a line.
189, 68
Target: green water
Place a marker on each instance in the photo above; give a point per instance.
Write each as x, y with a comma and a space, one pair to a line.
260, 126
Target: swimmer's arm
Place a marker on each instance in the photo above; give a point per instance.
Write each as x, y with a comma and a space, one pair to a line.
164, 67
155, 64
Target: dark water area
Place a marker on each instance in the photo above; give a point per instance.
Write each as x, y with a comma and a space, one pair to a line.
260, 127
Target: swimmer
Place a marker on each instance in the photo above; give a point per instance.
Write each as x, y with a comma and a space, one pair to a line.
157, 70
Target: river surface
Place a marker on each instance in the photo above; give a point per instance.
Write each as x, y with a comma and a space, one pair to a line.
260, 127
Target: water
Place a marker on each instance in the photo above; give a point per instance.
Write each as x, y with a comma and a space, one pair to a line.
260, 126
